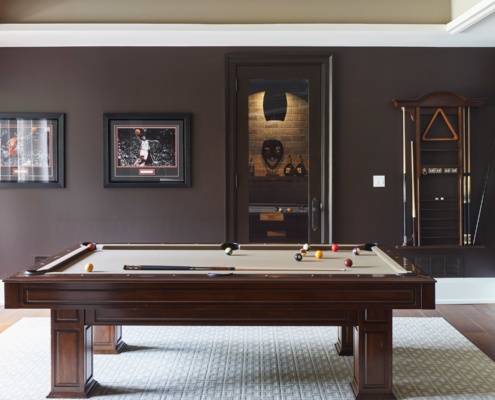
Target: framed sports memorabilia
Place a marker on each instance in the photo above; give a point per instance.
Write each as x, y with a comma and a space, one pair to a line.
32, 150
147, 150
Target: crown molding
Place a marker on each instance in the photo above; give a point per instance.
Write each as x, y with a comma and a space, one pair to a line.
263, 35
471, 17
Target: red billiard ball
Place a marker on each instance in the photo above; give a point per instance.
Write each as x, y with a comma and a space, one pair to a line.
302, 252
335, 247
348, 262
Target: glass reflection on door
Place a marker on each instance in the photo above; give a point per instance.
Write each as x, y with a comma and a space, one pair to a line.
278, 163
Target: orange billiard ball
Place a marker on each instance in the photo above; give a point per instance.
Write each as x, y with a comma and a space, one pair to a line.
88, 267
90, 246
319, 254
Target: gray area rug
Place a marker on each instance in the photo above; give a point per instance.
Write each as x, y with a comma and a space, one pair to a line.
432, 360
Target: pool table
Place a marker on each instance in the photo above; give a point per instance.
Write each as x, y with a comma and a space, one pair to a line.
199, 284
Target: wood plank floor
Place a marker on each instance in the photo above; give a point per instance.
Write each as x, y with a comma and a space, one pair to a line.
475, 321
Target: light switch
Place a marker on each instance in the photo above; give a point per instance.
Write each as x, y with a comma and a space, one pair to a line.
378, 180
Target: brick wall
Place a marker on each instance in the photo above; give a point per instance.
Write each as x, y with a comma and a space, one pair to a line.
292, 132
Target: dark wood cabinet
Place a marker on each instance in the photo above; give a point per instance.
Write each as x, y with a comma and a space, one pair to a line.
440, 168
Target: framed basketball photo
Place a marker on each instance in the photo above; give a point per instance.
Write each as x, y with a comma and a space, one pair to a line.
147, 150
31, 150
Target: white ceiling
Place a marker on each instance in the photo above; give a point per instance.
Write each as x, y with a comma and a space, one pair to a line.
474, 27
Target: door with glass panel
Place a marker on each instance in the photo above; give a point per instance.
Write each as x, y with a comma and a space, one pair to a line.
279, 142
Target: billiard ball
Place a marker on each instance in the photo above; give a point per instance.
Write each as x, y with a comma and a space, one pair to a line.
302, 252
319, 254
356, 251
335, 247
90, 246
348, 262
306, 247
88, 267
228, 251
298, 256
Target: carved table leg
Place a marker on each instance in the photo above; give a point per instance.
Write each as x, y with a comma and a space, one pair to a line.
107, 339
373, 355
344, 345
71, 355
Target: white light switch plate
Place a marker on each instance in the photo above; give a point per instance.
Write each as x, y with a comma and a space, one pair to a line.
378, 180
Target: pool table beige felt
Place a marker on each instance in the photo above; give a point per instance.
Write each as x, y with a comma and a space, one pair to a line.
264, 285
248, 259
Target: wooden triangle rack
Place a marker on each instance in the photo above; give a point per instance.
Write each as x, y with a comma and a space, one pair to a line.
455, 136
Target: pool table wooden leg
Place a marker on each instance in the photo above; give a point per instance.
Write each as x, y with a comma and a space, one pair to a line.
345, 341
71, 355
107, 339
373, 355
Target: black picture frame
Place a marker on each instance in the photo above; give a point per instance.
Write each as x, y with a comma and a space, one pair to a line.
32, 150
160, 160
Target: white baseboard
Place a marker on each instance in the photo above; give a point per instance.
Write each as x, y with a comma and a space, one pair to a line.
465, 290
448, 291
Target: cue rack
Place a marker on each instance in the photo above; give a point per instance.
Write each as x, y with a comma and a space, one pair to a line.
437, 169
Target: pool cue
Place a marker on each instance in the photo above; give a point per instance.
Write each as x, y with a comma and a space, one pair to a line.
412, 196
468, 155
464, 180
487, 175
404, 182
192, 268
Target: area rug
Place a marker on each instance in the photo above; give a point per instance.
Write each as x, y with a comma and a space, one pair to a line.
432, 360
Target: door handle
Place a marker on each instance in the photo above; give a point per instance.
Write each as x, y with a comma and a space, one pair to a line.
315, 214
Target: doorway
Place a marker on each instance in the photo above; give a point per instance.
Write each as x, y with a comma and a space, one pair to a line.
279, 146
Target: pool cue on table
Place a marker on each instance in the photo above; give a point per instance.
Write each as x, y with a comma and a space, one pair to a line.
404, 183
192, 268
487, 175
412, 196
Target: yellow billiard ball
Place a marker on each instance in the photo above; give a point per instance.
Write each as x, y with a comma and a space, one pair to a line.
319, 254
88, 267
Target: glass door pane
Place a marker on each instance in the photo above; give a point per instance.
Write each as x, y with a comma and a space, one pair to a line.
278, 160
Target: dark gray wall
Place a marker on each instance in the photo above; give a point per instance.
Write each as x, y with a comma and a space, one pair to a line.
84, 83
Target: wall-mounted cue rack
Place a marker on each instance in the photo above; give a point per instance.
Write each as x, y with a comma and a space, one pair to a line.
438, 159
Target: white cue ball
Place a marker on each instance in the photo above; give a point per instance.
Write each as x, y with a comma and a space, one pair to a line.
356, 251
88, 267
306, 247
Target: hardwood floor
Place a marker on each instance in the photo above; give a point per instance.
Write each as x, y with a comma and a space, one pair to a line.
10, 317
475, 321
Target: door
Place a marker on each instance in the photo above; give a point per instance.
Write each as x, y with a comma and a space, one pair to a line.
279, 147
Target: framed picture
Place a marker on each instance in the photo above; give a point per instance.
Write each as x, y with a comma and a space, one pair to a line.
32, 150
147, 150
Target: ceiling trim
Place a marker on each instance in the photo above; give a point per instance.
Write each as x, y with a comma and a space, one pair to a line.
472, 16
280, 35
